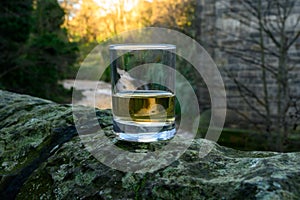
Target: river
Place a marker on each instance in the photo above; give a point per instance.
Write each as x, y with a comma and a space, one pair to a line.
99, 97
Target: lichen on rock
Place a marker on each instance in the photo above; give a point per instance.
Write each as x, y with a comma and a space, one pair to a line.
42, 157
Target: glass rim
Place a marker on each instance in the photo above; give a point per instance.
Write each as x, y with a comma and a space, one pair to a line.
136, 46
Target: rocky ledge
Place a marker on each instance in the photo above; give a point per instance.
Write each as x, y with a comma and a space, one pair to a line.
42, 157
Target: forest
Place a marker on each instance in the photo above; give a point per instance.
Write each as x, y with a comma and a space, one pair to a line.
44, 41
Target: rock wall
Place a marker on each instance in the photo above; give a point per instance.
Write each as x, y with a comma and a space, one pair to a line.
223, 32
42, 157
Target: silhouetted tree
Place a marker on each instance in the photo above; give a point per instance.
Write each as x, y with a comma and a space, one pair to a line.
15, 25
46, 58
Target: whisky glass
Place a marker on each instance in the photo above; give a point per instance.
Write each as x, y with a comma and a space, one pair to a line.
143, 91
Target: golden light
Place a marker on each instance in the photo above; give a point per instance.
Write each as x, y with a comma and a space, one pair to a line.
110, 5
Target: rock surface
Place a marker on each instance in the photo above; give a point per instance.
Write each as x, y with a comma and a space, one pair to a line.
42, 157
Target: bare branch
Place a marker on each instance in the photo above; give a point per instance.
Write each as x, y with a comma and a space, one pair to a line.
291, 5
246, 92
293, 40
250, 7
252, 60
271, 35
268, 50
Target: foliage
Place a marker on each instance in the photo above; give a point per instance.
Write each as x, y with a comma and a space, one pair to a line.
175, 14
15, 23
96, 22
84, 25
46, 57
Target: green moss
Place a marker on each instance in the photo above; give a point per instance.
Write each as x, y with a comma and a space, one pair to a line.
59, 167
40, 187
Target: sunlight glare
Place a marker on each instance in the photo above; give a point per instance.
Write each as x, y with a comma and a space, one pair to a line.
111, 4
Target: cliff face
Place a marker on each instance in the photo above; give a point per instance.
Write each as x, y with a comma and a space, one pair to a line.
42, 157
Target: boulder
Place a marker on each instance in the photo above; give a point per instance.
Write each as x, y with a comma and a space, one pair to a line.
42, 157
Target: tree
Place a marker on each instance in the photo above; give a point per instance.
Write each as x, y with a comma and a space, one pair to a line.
50, 54
70, 8
176, 14
84, 23
274, 28
15, 24
46, 57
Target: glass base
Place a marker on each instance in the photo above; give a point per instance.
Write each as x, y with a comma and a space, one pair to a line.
143, 131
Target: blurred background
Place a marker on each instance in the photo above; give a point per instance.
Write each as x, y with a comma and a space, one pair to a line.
255, 44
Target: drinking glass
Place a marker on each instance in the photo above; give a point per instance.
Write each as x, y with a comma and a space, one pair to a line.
143, 91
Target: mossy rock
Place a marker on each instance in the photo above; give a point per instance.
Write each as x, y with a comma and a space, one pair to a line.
42, 157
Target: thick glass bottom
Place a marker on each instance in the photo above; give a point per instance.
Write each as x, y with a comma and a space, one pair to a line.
143, 131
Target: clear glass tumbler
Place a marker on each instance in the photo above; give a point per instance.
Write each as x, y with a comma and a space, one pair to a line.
143, 91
